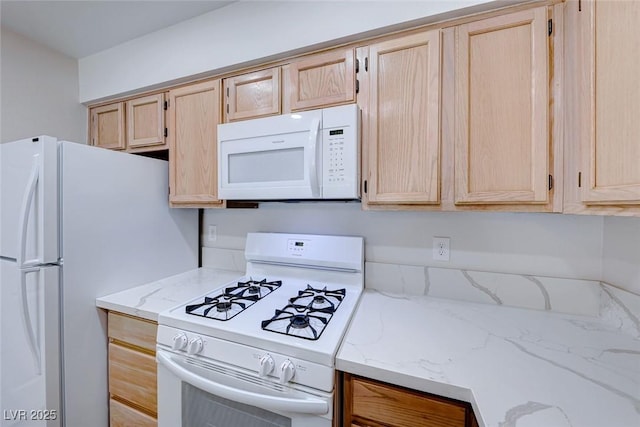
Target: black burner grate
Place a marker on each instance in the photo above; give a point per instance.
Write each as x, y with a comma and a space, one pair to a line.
234, 300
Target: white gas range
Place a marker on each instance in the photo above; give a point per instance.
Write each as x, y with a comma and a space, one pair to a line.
260, 351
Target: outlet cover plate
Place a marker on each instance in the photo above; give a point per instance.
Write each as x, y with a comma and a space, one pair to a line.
441, 248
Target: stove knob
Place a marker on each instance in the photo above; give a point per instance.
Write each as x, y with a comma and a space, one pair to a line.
266, 365
195, 346
287, 371
179, 342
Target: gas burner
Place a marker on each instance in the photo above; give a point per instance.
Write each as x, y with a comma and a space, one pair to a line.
318, 299
221, 307
260, 288
299, 322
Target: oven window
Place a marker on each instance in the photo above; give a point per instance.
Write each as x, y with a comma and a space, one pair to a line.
201, 409
266, 166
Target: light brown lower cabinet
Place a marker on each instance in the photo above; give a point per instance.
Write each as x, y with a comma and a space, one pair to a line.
132, 371
370, 403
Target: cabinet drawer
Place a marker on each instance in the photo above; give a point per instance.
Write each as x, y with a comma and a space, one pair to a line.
122, 415
398, 407
132, 377
133, 331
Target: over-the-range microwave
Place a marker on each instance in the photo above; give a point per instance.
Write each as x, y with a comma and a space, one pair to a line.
305, 155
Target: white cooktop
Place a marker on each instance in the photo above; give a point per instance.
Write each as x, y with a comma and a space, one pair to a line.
298, 261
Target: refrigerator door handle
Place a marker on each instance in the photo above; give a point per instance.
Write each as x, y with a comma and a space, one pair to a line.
27, 201
26, 314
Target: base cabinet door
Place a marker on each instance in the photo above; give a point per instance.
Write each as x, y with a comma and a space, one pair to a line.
502, 150
194, 114
132, 371
401, 116
376, 404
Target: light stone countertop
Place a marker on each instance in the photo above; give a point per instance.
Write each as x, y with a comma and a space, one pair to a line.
148, 300
517, 367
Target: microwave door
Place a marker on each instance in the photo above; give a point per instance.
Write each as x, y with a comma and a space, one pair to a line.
272, 167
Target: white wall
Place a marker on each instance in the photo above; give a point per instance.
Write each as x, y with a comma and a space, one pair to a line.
542, 244
243, 32
621, 253
39, 92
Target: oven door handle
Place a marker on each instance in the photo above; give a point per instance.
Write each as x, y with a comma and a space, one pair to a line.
305, 405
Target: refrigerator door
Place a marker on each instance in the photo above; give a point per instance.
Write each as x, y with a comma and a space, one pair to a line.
117, 232
29, 201
30, 363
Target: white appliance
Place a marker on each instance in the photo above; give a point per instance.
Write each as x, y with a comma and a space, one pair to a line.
306, 155
76, 223
260, 352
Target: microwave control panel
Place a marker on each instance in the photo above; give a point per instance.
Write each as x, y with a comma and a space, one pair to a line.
340, 178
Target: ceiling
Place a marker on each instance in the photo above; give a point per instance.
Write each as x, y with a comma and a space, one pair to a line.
81, 28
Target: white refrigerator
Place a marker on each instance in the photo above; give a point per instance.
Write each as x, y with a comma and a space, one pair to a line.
76, 223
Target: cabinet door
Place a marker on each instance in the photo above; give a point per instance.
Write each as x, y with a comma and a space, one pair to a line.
145, 121
502, 150
194, 114
403, 120
107, 126
611, 108
252, 95
133, 377
320, 80
374, 403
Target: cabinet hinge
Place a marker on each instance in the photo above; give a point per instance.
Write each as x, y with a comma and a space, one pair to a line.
579, 5
366, 63
550, 26
166, 132
166, 105
579, 179
227, 108
365, 186
357, 66
357, 86
550, 182
227, 92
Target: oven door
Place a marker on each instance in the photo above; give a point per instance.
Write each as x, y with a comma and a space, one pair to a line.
271, 158
197, 392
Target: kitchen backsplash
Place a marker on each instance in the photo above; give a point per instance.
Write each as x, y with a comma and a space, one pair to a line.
574, 296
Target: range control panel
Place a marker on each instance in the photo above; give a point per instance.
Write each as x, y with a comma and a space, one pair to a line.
298, 247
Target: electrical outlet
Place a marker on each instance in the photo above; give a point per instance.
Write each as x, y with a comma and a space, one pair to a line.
212, 233
441, 248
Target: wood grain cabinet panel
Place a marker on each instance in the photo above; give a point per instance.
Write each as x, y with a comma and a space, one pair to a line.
132, 377
107, 126
320, 81
132, 371
137, 332
502, 149
252, 95
122, 415
610, 47
372, 403
401, 115
145, 122
194, 114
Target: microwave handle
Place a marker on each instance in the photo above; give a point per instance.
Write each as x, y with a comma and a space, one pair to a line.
314, 132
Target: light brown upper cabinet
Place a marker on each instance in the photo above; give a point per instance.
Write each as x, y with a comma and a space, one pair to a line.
320, 80
107, 126
136, 125
501, 137
145, 121
252, 95
400, 100
194, 113
604, 54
